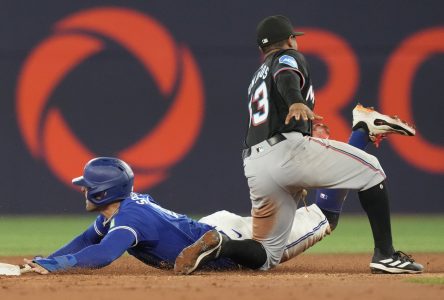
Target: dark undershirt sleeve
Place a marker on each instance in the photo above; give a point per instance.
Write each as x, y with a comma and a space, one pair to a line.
288, 84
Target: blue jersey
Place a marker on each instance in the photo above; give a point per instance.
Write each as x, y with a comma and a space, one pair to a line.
142, 227
160, 234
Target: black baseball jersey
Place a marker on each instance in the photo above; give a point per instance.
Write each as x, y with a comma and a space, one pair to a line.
268, 109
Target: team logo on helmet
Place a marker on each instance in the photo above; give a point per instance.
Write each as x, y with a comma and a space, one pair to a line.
77, 37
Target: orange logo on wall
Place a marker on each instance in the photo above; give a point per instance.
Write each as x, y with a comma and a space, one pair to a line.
396, 89
46, 133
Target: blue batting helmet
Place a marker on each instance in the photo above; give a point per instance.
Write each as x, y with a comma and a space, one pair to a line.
106, 179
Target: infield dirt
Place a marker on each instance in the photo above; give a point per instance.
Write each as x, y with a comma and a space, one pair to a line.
306, 277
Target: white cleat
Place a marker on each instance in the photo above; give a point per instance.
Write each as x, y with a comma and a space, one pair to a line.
380, 125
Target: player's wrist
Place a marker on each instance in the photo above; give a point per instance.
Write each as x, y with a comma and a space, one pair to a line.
57, 263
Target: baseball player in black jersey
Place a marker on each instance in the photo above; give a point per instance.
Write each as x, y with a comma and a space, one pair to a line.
282, 159
280, 90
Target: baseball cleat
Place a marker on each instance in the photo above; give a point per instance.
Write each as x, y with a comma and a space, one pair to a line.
398, 263
380, 125
203, 250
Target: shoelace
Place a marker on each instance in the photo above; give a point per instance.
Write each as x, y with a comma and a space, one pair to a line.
403, 256
304, 194
377, 139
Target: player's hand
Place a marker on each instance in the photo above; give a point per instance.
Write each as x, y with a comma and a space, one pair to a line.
35, 267
300, 110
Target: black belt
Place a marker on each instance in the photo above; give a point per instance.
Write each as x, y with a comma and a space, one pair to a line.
275, 139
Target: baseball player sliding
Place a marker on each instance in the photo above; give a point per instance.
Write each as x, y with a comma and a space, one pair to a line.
282, 159
135, 223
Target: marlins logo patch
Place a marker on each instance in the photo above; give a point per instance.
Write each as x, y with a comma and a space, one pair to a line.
288, 60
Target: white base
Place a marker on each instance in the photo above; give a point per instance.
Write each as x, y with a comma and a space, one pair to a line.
9, 270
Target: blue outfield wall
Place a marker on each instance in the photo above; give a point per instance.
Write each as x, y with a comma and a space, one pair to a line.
163, 84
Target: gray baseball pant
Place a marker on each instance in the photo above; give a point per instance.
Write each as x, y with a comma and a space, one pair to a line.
277, 174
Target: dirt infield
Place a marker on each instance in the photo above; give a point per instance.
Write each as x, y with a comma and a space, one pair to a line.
307, 277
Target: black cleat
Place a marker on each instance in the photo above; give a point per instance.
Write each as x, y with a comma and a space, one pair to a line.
398, 263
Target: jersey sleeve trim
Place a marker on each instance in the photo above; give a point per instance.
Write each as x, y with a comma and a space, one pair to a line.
97, 230
291, 69
130, 230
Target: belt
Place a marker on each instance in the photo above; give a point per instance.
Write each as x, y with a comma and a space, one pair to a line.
275, 139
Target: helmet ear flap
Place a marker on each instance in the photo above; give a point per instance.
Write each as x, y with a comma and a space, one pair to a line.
99, 196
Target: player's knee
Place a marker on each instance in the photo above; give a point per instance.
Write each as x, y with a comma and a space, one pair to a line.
374, 161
